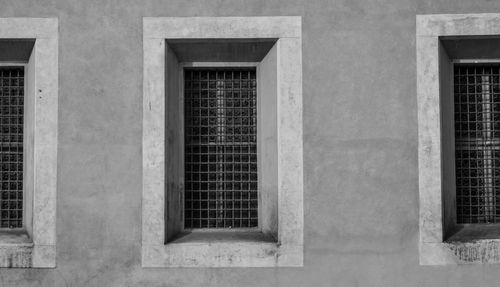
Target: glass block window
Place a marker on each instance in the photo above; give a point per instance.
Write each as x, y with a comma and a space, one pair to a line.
11, 142
220, 128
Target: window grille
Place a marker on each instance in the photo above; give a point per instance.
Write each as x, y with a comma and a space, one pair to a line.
11, 142
477, 142
220, 110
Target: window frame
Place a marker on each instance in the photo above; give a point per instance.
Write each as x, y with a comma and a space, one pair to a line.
35, 245
437, 216
288, 249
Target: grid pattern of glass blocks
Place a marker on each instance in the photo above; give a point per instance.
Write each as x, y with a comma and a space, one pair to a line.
220, 120
11, 146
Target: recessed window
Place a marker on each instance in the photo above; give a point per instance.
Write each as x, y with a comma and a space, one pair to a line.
28, 142
458, 89
222, 142
477, 142
220, 120
11, 146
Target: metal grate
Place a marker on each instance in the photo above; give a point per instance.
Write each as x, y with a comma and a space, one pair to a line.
11, 143
477, 142
220, 110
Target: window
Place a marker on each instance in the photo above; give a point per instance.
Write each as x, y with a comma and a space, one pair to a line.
459, 128
222, 142
220, 153
11, 144
477, 142
28, 141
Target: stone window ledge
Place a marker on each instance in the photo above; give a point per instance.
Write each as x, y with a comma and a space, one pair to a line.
221, 249
17, 250
471, 244
484, 251
15, 237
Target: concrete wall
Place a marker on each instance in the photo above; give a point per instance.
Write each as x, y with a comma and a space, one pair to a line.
360, 145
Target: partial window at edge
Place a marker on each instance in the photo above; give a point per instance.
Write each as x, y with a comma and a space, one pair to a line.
11, 146
477, 142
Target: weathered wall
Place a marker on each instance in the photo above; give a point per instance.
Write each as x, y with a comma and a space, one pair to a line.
360, 145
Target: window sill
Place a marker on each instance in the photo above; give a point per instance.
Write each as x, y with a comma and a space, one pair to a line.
222, 249
16, 249
475, 232
14, 237
472, 244
222, 236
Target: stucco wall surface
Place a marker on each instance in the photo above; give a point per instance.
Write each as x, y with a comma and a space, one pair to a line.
360, 145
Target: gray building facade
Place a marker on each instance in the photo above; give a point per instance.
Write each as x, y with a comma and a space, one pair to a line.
360, 145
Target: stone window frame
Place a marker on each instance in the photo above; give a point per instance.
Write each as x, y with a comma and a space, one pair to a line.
35, 244
287, 250
438, 243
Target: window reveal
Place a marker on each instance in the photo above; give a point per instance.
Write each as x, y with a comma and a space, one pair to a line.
11, 142
220, 110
